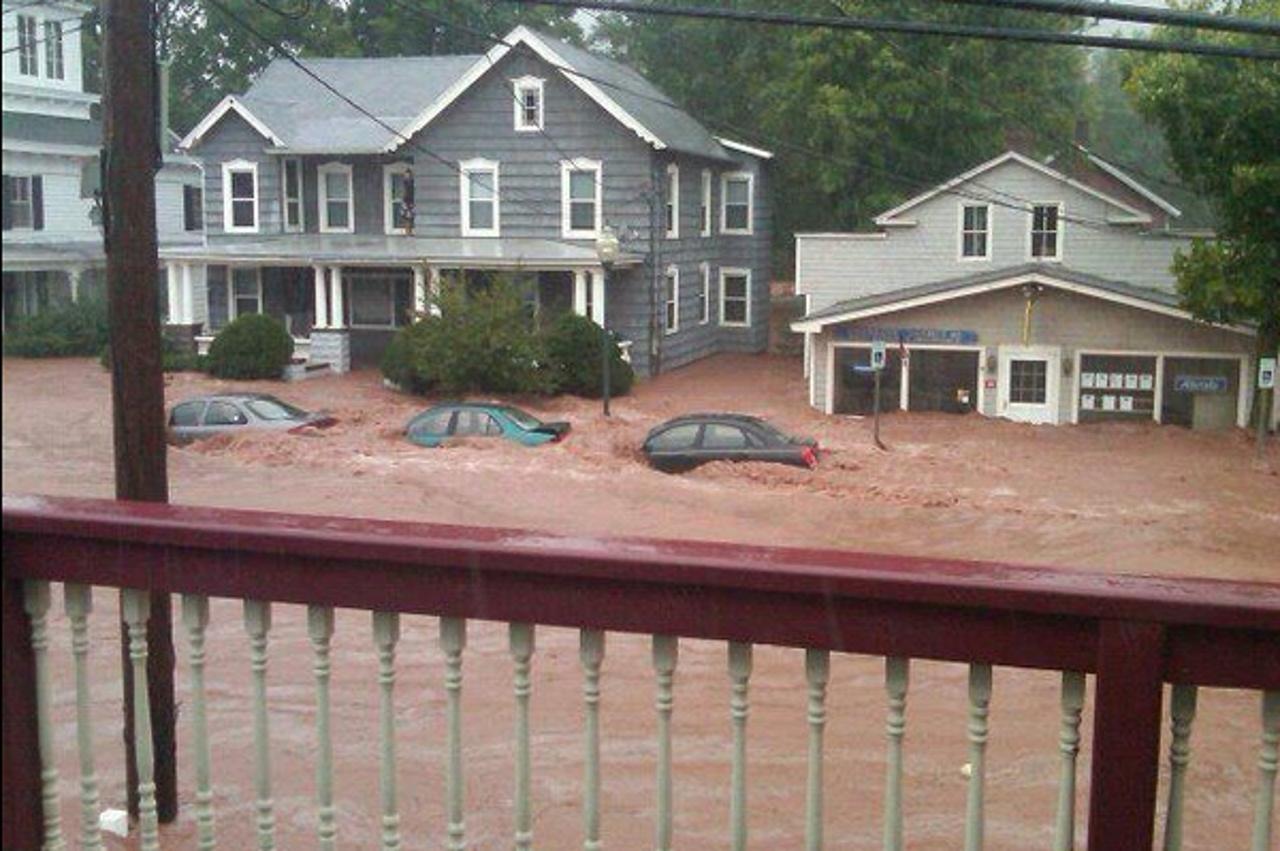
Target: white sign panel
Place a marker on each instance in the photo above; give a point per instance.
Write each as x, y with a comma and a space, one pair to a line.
1266, 373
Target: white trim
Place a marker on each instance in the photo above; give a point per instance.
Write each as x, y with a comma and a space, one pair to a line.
834, 235
465, 170
960, 233
704, 271
324, 171
735, 272
519, 87
751, 202
301, 199
1134, 185
671, 209
228, 216
232, 312
523, 35
706, 211
671, 274
744, 148
229, 104
567, 167
891, 217
388, 171
1061, 232
1046, 278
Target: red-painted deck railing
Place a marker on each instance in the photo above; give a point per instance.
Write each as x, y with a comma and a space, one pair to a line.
1134, 634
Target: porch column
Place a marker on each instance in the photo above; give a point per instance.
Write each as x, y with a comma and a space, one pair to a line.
73, 280
580, 292
188, 288
339, 314
322, 299
597, 296
433, 285
419, 290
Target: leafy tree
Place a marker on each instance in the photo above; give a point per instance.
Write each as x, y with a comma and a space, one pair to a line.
1222, 122
432, 27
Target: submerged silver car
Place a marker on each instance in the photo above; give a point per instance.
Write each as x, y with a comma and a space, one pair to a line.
233, 413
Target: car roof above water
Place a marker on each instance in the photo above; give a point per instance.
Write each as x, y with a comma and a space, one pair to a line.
223, 397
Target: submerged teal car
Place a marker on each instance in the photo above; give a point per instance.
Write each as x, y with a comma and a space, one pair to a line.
444, 422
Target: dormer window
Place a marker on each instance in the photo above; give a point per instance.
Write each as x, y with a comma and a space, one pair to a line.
54, 67
28, 63
336, 201
240, 196
528, 98
975, 231
1046, 232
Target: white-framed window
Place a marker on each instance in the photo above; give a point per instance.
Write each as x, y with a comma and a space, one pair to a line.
671, 289
735, 297
246, 290
54, 66
704, 208
704, 294
737, 192
581, 197
480, 206
397, 194
240, 196
28, 61
19, 202
975, 231
673, 201
1046, 232
291, 194
337, 202
528, 104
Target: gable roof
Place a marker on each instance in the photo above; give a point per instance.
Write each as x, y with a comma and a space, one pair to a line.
891, 218
1061, 277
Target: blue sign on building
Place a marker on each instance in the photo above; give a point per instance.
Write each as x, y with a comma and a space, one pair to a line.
935, 336
1200, 383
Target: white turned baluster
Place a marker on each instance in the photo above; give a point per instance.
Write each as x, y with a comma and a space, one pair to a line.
1182, 711
739, 707
195, 617
136, 607
386, 632
817, 668
1268, 759
36, 603
979, 701
666, 650
896, 673
1064, 834
320, 630
453, 638
78, 600
591, 653
521, 637
257, 622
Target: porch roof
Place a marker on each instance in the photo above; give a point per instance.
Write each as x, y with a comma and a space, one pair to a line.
36, 256
305, 249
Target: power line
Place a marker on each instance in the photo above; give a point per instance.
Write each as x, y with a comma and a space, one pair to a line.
1139, 14
915, 28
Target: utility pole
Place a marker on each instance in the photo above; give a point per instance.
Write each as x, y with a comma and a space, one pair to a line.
130, 157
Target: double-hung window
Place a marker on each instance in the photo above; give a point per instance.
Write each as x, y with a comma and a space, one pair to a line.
397, 190
704, 294
240, 196
54, 66
480, 209
246, 290
735, 297
1046, 232
975, 231
23, 202
337, 213
673, 201
581, 193
28, 61
736, 191
528, 104
671, 315
704, 208
291, 192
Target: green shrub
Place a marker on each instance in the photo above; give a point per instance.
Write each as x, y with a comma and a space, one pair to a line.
573, 357
78, 329
176, 357
253, 346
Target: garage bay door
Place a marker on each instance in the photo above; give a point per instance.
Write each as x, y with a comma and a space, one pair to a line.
942, 380
855, 391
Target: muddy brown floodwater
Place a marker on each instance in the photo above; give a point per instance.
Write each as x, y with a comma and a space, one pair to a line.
1120, 498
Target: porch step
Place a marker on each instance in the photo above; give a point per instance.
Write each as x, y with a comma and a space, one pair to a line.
302, 370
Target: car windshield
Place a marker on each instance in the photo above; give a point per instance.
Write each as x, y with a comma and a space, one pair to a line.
520, 418
274, 410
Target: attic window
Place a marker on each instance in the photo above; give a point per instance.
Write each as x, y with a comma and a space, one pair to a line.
975, 231
240, 197
54, 66
27, 61
528, 104
1046, 232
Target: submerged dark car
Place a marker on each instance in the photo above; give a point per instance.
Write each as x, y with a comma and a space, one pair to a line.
693, 439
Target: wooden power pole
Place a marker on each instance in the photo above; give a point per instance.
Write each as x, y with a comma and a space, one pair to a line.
131, 155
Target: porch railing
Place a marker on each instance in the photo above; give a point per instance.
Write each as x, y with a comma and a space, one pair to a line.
1134, 634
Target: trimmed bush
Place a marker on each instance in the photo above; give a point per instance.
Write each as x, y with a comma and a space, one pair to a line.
573, 357
253, 346
78, 329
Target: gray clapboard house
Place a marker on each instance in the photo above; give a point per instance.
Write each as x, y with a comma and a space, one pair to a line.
342, 224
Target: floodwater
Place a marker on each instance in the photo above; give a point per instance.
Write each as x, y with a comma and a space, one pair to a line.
1119, 498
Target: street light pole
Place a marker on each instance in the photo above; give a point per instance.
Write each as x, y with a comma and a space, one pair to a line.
607, 251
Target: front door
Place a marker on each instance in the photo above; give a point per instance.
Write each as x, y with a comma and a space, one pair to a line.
1029, 383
